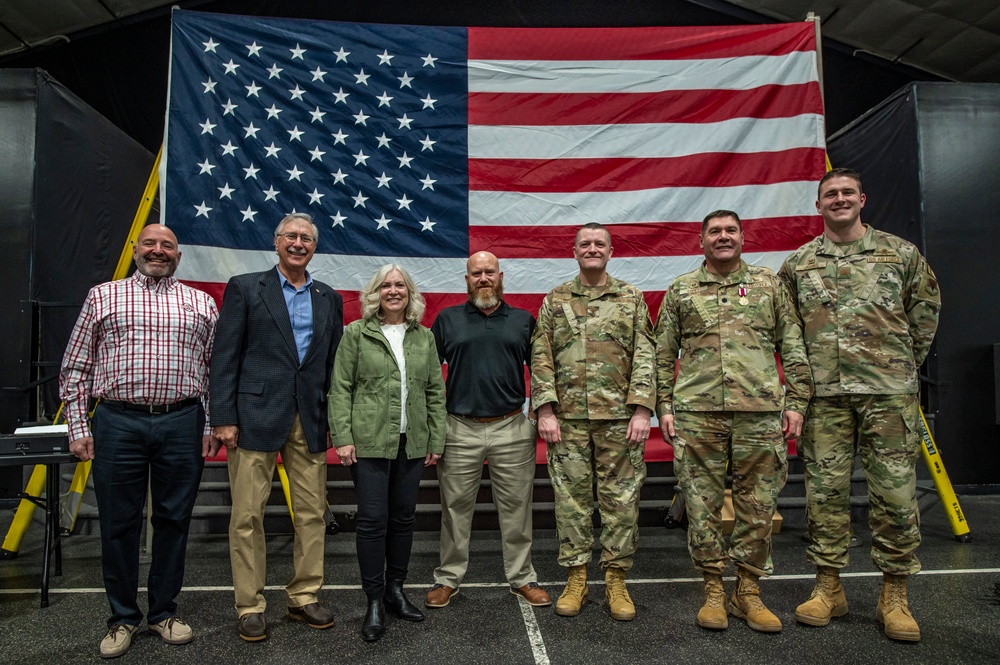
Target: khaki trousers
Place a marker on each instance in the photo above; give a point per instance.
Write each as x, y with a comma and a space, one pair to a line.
509, 447
250, 476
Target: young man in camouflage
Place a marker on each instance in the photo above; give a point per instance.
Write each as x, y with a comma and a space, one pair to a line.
727, 319
592, 386
869, 303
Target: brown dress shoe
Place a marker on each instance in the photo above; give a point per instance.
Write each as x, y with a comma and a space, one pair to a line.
533, 594
252, 627
439, 595
314, 615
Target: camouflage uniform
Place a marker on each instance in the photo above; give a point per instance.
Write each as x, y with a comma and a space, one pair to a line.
592, 358
870, 310
727, 397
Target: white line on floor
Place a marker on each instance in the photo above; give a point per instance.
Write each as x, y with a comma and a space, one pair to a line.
500, 585
534, 633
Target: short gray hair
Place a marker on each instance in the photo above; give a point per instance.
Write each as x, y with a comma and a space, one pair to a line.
300, 216
371, 305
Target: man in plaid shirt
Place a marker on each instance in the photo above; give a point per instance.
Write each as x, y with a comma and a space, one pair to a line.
142, 346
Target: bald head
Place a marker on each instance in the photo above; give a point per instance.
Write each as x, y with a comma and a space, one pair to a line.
484, 281
482, 259
155, 253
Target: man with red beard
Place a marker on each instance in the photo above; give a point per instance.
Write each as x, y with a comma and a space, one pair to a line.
486, 344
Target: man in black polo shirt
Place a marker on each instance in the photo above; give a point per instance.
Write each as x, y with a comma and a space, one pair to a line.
486, 344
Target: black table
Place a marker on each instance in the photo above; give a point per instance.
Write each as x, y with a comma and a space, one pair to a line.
49, 503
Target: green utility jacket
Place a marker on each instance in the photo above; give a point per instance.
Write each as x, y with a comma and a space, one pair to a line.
869, 312
727, 330
364, 406
592, 352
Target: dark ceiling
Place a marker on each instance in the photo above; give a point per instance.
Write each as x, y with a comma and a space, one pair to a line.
114, 53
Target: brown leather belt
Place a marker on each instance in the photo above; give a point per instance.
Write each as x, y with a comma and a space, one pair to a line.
491, 419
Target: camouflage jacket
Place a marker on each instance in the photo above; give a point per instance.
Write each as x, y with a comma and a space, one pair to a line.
727, 330
869, 315
592, 355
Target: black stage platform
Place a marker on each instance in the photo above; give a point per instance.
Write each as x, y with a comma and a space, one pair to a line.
956, 600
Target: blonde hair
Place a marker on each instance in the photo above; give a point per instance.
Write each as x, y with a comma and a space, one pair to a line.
371, 304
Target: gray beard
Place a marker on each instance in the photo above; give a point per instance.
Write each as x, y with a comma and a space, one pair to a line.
485, 301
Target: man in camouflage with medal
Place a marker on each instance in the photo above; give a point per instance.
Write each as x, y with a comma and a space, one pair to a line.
726, 320
869, 304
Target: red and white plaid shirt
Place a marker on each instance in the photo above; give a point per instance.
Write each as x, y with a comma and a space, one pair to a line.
139, 341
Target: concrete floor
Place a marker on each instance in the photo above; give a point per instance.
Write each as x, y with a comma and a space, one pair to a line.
956, 600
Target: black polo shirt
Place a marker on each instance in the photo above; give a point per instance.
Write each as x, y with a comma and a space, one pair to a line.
486, 356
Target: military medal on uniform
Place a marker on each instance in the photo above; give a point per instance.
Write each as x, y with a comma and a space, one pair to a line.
743, 295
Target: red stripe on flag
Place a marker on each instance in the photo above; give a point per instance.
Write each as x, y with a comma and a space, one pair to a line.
435, 301
658, 43
214, 289
714, 169
774, 234
691, 106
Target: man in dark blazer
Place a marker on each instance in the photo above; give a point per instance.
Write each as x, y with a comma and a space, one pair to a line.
275, 342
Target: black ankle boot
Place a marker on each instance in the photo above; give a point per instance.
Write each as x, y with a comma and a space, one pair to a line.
397, 602
374, 624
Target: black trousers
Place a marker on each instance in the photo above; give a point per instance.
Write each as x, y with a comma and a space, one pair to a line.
387, 500
132, 451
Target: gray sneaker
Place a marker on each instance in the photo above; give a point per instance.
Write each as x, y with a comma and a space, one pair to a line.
118, 640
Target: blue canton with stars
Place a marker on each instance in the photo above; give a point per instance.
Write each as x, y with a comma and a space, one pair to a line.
362, 126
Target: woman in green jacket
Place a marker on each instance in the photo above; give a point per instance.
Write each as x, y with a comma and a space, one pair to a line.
387, 417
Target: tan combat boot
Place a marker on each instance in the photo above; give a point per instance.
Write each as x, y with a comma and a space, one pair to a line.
827, 600
575, 594
621, 605
713, 613
893, 612
745, 603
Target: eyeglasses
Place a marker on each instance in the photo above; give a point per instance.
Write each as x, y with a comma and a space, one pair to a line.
292, 237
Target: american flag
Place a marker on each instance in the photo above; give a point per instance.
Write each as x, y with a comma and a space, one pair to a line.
418, 145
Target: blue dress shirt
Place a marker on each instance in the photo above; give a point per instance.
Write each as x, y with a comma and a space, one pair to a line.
300, 312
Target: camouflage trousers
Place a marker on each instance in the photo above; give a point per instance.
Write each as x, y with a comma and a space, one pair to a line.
702, 448
594, 452
884, 430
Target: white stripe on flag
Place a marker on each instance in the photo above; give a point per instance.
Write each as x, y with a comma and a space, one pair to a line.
557, 76
739, 135
686, 204
437, 275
